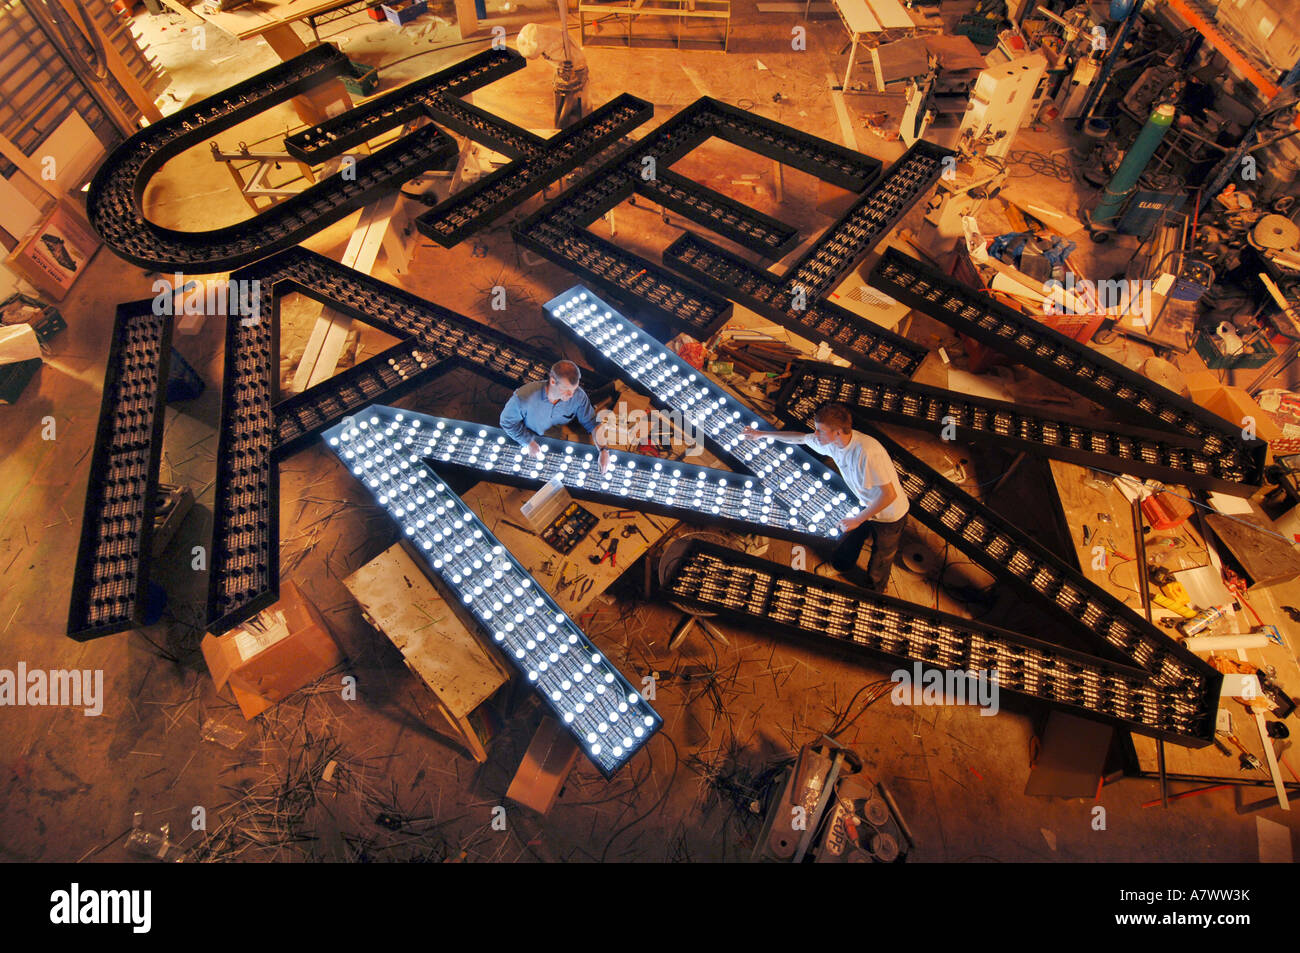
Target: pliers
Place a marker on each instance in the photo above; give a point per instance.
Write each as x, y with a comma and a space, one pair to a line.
611, 554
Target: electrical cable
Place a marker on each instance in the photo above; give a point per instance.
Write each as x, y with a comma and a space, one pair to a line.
1038, 163
839, 726
1110, 573
654, 807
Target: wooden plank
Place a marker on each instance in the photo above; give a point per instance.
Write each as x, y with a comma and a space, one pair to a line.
857, 16
405, 606
258, 19
891, 15
842, 114
320, 358
27, 166
1274, 771
1254, 542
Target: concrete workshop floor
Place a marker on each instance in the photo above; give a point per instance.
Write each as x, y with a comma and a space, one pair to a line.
70, 783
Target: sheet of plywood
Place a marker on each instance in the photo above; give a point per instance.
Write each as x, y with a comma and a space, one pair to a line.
891, 14
956, 52
857, 16
1264, 554
404, 605
902, 59
1071, 757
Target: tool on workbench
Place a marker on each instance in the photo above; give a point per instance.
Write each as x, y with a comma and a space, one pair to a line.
1248, 760
1237, 586
611, 553
1087, 534
1283, 704
631, 528
618, 515
1181, 608
569, 528
1160, 576
1204, 619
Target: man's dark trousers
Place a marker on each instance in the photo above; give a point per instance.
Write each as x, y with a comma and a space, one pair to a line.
884, 547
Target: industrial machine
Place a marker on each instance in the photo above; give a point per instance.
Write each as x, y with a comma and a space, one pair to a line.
1003, 99
975, 178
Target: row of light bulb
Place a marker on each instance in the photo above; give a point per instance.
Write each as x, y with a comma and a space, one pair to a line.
596, 704
827, 612
1086, 603
812, 490
693, 489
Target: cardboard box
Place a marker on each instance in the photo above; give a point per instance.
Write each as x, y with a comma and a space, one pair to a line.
273, 655
1231, 403
404, 13
550, 757
1266, 24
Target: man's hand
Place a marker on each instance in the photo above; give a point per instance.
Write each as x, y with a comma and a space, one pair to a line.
533, 448
850, 523
604, 460
749, 433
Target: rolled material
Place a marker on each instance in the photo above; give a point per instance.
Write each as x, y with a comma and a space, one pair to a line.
1212, 643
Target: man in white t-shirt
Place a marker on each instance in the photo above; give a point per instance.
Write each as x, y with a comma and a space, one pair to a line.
867, 469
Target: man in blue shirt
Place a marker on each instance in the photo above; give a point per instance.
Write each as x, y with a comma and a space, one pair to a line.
537, 407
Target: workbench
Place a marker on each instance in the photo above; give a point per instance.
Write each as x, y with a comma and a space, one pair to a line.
867, 17
685, 11
272, 21
456, 665
572, 580
1082, 500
